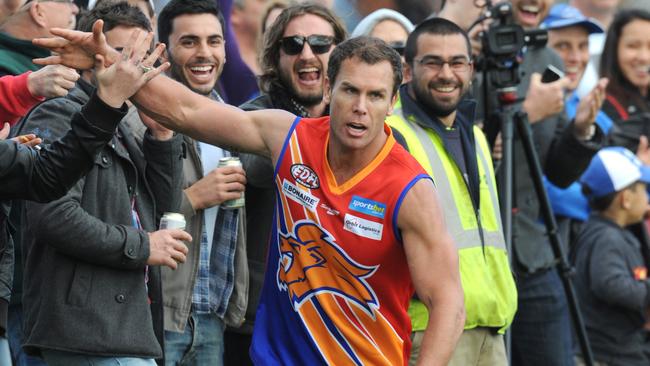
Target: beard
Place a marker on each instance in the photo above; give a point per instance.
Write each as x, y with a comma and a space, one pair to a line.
439, 108
306, 99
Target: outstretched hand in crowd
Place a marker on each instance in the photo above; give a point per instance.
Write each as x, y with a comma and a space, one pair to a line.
76, 49
131, 70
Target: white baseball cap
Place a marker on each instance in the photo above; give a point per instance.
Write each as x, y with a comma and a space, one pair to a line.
611, 170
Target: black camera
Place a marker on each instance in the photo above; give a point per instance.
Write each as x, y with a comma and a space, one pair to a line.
502, 44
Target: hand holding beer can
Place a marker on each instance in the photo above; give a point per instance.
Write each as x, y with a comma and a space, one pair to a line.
172, 220
237, 202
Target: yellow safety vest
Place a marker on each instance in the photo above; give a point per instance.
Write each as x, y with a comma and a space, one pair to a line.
488, 285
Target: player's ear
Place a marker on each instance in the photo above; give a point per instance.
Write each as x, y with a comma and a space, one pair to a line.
392, 103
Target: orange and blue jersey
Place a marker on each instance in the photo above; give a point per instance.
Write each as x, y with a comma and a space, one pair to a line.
337, 285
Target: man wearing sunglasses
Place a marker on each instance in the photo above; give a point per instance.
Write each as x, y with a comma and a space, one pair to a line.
294, 64
437, 126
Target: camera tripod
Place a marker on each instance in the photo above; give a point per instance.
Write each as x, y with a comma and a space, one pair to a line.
510, 118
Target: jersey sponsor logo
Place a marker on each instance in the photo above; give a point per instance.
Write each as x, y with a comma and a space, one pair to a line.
305, 176
368, 207
330, 211
312, 263
362, 227
297, 194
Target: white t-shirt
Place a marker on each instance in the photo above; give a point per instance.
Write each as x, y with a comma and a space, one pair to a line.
210, 156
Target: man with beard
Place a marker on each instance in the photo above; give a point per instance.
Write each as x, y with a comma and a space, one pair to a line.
294, 64
209, 291
541, 330
438, 129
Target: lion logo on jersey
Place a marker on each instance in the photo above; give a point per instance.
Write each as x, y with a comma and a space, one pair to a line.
312, 263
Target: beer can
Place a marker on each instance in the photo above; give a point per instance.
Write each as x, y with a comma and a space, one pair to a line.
172, 220
237, 202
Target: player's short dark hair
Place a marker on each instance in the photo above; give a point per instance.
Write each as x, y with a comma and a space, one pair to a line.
370, 50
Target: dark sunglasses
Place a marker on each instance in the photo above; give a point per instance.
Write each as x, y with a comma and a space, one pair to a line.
319, 44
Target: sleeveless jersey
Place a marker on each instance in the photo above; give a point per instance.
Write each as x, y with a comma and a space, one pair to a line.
337, 284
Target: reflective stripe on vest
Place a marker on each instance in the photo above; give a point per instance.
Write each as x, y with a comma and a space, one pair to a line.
428, 149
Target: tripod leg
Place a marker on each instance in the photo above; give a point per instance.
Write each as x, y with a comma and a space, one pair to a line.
523, 128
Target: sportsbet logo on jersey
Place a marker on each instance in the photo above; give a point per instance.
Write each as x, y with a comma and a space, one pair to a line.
368, 207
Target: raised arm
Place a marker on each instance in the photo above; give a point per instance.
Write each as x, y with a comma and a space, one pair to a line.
178, 108
433, 262
173, 105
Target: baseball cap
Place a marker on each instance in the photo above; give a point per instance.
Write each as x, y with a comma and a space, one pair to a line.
563, 15
611, 170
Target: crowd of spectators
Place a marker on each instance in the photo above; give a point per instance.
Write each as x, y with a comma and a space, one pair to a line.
88, 278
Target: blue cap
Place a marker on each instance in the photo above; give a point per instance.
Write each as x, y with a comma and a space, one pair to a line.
563, 15
611, 170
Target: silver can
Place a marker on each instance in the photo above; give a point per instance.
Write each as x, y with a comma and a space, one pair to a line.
237, 202
172, 220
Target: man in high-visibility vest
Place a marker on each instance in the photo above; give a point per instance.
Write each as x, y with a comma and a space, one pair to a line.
436, 126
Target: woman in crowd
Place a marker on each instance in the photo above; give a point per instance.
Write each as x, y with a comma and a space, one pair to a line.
626, 63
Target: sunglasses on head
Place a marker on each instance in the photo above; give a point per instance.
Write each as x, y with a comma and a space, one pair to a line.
319, 44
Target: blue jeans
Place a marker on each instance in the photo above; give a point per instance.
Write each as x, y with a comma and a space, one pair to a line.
59, 358
541, 331
200, 344
15, 338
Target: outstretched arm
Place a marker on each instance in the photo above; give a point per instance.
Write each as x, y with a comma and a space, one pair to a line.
26, 174
433, 262
173, 105
178, 108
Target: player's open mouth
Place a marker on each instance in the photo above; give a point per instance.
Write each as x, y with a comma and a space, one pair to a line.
356, 129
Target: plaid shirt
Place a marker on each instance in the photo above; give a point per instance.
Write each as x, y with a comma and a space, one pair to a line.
215, 277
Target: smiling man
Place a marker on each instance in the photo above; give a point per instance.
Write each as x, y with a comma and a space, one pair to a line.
195, 45
569, 34
209, 291
438, 129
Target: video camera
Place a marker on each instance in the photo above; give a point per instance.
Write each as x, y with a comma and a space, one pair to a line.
502, 44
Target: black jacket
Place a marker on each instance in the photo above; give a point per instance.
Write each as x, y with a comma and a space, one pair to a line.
613, 290
563, 159
28, 174
84, 286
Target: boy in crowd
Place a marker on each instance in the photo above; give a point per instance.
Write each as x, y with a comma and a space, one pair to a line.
611, 279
